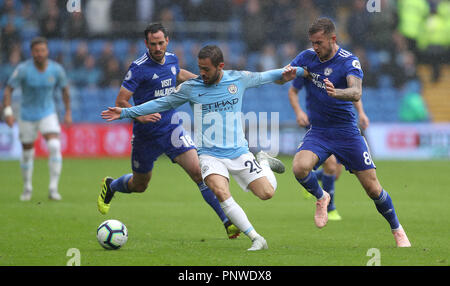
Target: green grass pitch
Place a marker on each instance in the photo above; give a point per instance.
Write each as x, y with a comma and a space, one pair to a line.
171, 225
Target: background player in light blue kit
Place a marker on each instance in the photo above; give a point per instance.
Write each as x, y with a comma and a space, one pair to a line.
331, 169
336, 82
38, 78
216, 99
155, 75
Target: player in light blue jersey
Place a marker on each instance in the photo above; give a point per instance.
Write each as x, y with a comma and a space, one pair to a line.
336, 82
216, 99
38, 78
155, 75
331, 168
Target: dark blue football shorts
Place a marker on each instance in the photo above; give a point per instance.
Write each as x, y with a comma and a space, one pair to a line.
347, 144
145, 150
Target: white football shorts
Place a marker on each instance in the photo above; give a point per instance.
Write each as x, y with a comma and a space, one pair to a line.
244, 169
28, 130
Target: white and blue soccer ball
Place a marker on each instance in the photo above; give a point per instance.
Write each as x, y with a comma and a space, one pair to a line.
112, 234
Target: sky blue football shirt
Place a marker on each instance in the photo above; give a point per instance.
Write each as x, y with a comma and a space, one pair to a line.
38, 88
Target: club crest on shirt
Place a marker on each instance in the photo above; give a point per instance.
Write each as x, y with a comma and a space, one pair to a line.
356, 64
51, 79
327, 71
232, 88
174, 70
128, 76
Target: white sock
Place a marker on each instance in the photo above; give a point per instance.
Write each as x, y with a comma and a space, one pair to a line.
269, 173
54, 163
26, 165
238, 217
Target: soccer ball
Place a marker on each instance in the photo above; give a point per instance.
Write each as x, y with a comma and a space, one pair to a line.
112, 234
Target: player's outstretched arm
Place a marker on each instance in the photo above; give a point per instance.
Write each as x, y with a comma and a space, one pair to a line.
171, 101
352, 93
289, 74
123, 99
280, 75
112, 113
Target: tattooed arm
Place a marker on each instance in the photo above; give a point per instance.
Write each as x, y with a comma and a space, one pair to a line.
352, 93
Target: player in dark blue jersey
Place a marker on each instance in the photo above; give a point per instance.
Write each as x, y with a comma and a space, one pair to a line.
154, 75
335, 82
331, 168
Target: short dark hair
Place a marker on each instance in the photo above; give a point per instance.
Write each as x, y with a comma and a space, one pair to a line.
322, 24
213, 52
154, 28
38, 40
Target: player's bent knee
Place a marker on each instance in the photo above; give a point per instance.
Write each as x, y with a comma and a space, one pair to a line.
221, 194
300, 170
266, 193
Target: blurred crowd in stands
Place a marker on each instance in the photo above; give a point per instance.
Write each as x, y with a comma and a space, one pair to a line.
97, 44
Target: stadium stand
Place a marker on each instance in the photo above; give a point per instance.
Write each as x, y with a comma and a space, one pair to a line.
393, 75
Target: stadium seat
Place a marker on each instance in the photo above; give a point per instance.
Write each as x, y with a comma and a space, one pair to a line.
121, 48
56, 46
96, 46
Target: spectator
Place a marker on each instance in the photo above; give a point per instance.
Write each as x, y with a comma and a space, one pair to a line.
411, 16
370, 75
413, 108
166, 17
112, 76
432, 42
218, 10
288, 52
7, 69
329, 8
50, 21
358, 24
123, 13
106, 56
382, 25
268, 59
179, 51
29, 16
89, 74
76, 26
10, 24
306, 13
145, 10
80, 56
98, 16
401, 64
132, 55
253, 26
282, 17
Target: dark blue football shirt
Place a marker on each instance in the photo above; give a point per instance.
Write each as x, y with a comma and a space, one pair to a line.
323, 110
149, 80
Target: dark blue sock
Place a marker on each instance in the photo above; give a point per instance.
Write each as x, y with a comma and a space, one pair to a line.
311, 184
121, 184
328, 186
211, 199
385, 207
319, 174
